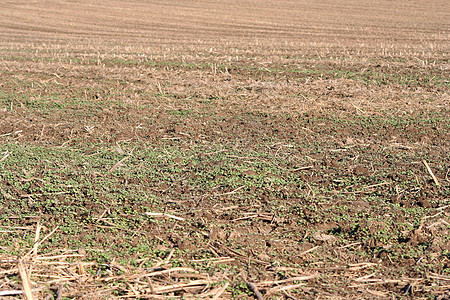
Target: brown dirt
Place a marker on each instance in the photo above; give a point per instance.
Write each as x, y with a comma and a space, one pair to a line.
315, 86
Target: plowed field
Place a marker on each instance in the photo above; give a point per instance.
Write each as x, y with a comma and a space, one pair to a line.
224, 149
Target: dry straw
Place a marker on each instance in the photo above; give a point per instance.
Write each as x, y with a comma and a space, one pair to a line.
431, 173
64, 273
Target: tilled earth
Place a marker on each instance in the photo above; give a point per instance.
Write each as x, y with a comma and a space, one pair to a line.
224, 150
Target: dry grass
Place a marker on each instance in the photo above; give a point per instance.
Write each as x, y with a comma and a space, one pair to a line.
63, 273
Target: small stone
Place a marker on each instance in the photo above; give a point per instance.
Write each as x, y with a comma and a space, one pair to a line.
423, 202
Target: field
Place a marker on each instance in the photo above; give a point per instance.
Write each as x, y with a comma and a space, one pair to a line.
224, 149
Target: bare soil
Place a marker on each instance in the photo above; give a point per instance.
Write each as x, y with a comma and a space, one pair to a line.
238, 149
